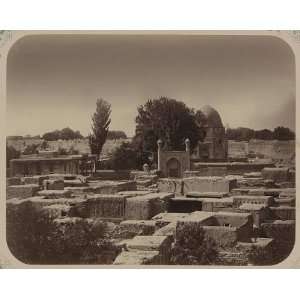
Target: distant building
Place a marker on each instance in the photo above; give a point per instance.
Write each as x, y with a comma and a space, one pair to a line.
215, 146
47, 162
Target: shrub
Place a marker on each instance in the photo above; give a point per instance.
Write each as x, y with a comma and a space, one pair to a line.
193, 247
124, 157
35, 238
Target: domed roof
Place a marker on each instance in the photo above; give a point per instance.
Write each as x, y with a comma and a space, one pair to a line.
212, 116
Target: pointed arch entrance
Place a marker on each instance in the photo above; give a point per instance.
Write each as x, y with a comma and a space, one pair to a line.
173, 168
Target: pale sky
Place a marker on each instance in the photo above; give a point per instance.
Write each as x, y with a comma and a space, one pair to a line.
53, 81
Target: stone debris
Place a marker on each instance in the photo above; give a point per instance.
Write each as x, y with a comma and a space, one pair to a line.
128, 194
55, 194
164, 219
13, 181
38, 179
170, 185
138, 258
110, 207
217, 204
265, 200
53, 184
142, 207
276, 174
279, 230
138, 227
74, 183
207, 194
208, 184
283, 213
112, 187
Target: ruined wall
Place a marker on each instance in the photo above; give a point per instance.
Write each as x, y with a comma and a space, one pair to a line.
82, 145
271, 149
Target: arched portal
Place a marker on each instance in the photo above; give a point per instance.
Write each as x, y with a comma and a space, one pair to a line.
173, 168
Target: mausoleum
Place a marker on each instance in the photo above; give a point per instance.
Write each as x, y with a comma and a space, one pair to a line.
215, 146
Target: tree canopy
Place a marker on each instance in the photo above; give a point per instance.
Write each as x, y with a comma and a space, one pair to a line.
116, 134
64, 134
169, 120
282, 134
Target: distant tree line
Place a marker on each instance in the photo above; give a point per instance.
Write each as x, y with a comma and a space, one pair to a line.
64, 134
21, 137
67, 134
246, 134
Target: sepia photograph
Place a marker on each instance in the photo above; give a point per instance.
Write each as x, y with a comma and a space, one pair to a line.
139, 149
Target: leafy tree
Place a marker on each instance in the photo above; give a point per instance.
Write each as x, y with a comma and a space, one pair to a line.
193, 247
283, 134
125, 157
100, 125
11, 153
52, 135
166, 119
64, 134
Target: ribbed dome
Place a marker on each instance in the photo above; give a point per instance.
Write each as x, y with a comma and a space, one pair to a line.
212, 116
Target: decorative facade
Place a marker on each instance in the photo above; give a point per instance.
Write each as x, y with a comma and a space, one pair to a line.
173, 163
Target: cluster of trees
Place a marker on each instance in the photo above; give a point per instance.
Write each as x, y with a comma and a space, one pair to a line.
164, 118
246, 134
64, 134
167, 119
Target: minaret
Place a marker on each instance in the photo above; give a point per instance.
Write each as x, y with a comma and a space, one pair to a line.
188, 151
159, 149
187, 145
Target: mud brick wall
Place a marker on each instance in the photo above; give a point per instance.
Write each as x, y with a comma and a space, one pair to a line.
170, 185
279, 230
34, 180
276, 174
208, 184
242, 199
21, 191
101, 206
115, 187
112, 174
13, 181
283, 212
